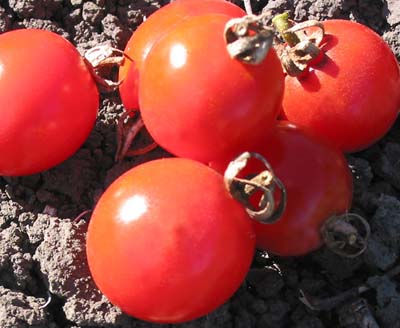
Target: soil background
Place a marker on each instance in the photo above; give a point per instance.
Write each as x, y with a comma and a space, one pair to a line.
42, 247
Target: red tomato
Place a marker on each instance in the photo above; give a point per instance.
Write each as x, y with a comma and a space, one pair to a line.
48, 102
350, 98
318, 184
156, 25
167, 243
199, 103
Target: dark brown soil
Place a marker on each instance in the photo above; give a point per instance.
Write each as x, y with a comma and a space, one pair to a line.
42, 250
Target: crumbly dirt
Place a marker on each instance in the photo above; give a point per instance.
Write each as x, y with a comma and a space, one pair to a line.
42, 247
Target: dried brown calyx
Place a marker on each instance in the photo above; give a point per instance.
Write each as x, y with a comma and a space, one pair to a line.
347, 234
302, 43
268, 209
249, 38
104, 56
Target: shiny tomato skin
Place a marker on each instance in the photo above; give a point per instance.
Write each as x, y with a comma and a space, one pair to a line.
48, 102
351, 98
318, 184
155, 26
199, 103
167, 243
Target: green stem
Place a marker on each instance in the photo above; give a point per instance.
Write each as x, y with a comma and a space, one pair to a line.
281, 24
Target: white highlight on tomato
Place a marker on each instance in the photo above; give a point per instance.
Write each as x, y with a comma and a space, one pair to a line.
178, 56
133, 209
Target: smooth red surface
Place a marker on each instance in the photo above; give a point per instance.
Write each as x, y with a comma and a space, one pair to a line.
48, 101
318, 183
352, 97
199, 103
154, 27
167, 243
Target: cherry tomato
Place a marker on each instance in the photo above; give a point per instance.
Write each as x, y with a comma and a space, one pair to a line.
167, 243
202, 104
152, 29
318, 184
351, 98
48, 102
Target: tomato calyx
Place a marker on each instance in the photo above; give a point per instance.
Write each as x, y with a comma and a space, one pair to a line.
266, 182
346, 235
103, 56
128, 128
249, 38
301, 49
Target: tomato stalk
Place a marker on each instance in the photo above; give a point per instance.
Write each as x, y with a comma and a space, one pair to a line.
266, 182
301, 49
127, 129
48, 301
346, 235
247, 7
282, 24
81, 216
330, 303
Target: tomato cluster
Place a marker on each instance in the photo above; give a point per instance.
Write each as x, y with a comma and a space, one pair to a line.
173, 228
200, 103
